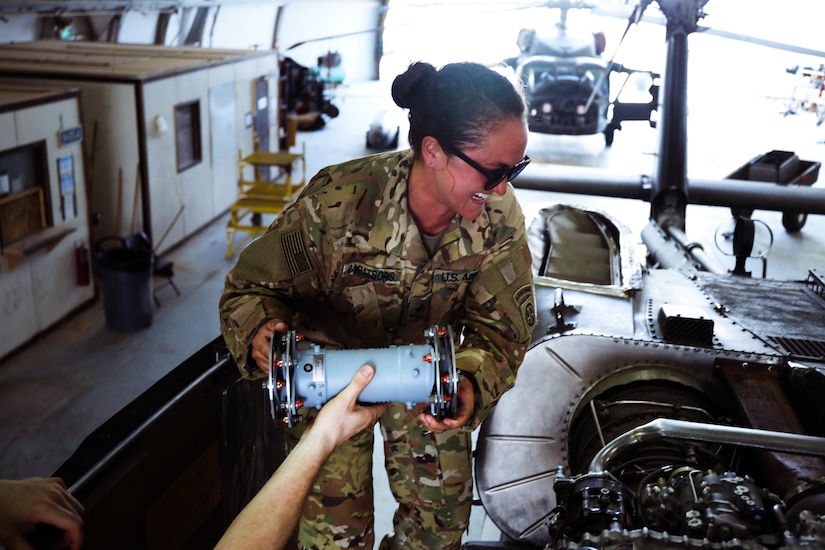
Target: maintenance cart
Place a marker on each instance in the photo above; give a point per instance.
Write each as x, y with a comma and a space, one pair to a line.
785, 168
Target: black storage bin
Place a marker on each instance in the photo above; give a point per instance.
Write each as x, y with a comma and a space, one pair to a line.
124, 269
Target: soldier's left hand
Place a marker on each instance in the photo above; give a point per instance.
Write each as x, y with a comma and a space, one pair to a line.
464, 411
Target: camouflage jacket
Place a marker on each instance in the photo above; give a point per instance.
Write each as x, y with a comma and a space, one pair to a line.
346, 261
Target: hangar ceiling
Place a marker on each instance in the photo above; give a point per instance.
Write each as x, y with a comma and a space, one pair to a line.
438, 31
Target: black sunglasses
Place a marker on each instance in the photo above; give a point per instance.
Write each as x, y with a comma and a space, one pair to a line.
494, 177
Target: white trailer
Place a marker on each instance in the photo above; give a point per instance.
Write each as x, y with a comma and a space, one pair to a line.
163, 127
45, 270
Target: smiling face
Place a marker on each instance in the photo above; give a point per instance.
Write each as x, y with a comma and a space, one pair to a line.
459, 187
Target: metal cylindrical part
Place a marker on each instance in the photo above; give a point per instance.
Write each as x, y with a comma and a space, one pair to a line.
403, 374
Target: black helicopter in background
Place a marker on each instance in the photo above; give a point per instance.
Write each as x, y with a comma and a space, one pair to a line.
567, 81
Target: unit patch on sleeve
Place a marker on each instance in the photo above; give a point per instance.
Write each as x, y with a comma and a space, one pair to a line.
524, 298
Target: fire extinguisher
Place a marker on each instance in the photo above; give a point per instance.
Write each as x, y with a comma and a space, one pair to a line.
82, 264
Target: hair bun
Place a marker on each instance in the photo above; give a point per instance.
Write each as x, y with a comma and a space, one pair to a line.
407, 86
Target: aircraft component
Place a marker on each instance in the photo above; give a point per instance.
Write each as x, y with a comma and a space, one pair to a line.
304, 374
644, 420
707, 433
669, 248
576, 248
730, 372
682, 507
681, 501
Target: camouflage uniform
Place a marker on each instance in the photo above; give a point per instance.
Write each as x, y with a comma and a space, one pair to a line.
345, 266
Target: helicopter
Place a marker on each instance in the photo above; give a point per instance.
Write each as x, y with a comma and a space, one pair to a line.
567, 81
668, 430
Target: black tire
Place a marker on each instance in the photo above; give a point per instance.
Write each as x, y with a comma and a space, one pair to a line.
793, 222
608, 136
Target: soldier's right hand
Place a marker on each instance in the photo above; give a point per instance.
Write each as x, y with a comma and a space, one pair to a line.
260, 343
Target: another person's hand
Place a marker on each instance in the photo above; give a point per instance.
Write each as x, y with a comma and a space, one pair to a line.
465, 409
342, 417
261, 342
270, 517
26, 503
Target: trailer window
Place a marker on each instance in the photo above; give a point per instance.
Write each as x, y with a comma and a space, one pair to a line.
188, 134
24, 192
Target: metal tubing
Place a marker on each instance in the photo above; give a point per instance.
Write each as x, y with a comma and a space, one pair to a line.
695, 250
664, 428
670, 188
758, 195
583, 181
728, 193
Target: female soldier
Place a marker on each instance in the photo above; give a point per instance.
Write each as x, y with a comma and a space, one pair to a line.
374, 252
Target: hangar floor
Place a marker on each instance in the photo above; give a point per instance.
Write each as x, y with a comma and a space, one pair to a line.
57, 390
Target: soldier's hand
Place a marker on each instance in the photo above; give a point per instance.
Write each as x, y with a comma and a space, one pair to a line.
261, 342
466, 407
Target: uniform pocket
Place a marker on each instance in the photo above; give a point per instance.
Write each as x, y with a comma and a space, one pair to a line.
363, 302
424, 467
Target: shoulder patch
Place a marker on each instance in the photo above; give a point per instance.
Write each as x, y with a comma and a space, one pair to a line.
295, 253
526, 303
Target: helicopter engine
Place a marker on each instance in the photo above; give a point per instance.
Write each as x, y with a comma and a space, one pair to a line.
679, 507
697, 500
658, 447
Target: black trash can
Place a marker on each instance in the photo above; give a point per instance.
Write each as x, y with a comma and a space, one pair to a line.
124, 269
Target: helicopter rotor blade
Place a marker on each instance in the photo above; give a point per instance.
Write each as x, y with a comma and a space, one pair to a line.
647, 17
761, 41
636, 14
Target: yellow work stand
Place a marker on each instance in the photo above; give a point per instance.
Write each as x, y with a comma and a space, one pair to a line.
258, 196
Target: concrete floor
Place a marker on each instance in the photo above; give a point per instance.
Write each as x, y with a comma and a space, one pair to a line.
57, 390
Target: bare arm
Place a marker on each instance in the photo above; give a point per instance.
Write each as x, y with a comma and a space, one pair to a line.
270, 517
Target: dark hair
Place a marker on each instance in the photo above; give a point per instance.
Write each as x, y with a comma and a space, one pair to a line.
458, 105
